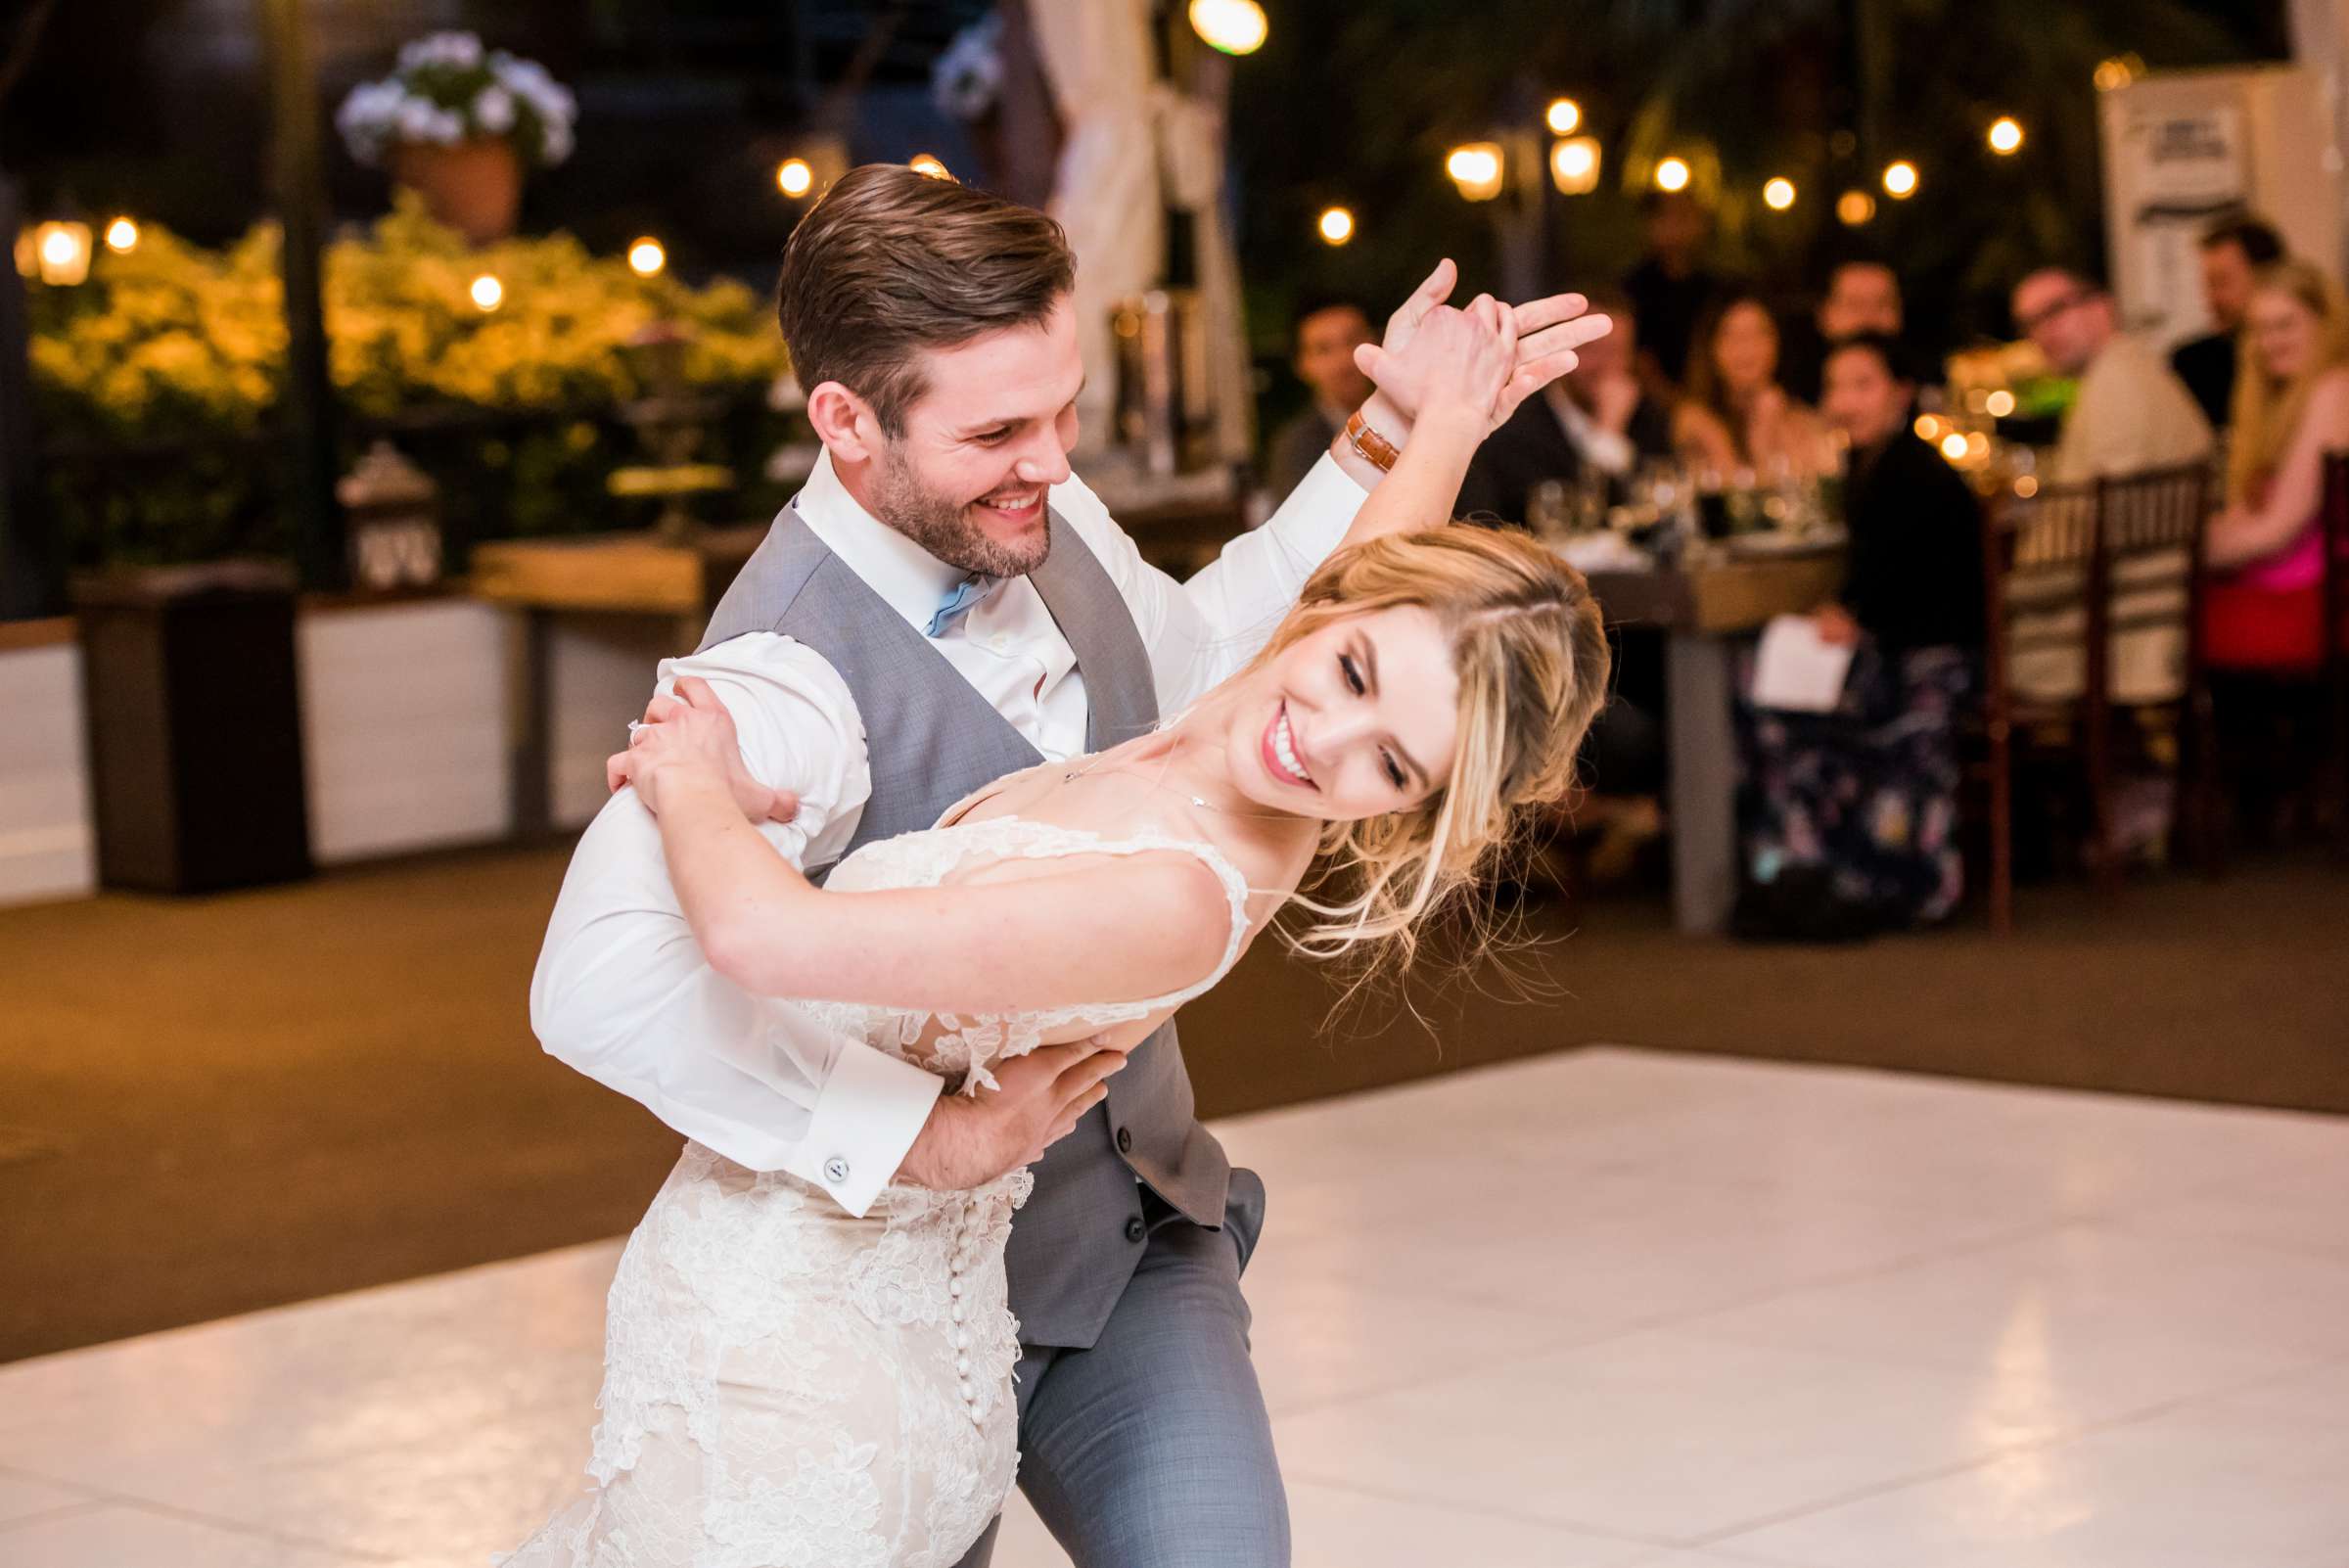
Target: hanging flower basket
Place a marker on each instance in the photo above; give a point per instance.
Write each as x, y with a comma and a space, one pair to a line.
474, 187
459, 124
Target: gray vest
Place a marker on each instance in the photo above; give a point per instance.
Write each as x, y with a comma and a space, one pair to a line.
932, 740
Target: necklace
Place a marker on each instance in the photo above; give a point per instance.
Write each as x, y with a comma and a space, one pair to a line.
1201, 802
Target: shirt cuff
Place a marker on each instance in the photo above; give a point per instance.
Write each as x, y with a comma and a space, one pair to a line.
871, 1110
1318, 511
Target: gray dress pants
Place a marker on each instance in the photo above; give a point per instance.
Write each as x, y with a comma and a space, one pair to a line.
1152, 1450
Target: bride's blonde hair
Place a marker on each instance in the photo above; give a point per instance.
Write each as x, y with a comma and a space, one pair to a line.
1532, 657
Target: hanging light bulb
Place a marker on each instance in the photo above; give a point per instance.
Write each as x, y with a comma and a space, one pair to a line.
1564, 117
488, 293
1777, 193
61, 252
1855, 207
1574, 166
793, 177
1476, 169
1900, 180
646, 257
1671, 174
1235, 26
121, 236
2006, 135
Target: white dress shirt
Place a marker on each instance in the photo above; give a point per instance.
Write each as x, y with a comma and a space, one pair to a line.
1610, 451
622, 991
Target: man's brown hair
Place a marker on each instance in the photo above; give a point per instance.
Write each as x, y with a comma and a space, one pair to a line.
890, 262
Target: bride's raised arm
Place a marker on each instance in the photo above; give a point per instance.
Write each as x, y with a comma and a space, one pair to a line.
1094, 927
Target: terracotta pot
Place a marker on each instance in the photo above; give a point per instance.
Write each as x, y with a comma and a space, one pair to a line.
474, 187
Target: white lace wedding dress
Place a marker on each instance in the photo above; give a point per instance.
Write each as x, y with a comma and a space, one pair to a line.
788, 1387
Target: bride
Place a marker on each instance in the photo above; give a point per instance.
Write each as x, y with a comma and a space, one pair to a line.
786, 1384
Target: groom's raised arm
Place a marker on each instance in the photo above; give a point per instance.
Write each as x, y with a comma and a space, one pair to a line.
623, 994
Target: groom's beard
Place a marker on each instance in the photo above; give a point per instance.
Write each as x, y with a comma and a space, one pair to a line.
943, 525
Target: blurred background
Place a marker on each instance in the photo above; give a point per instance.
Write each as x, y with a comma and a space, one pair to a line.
386, 385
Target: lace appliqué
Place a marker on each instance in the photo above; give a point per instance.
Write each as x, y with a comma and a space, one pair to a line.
787, 1386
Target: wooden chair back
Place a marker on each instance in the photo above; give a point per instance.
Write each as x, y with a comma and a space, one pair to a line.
2064, 571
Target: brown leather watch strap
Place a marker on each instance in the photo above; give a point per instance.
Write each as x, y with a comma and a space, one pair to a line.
1375, 450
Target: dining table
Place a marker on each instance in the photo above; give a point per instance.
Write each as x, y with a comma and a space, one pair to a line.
1707, 603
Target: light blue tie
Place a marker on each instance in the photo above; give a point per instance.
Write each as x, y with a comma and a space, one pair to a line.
968, 592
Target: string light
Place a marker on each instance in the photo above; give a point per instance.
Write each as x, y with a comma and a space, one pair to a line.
793, 177
1900, 180
2006, 135
646, 257
1476, 169
2000, 403
1671, 174
1564, 117
1574, 166
1777, 195
1235, 26
1855, 207
1336, 225
488, 293
121, 236
60, 253
1954, 447
929, 167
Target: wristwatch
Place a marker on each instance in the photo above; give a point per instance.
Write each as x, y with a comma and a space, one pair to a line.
1375, 450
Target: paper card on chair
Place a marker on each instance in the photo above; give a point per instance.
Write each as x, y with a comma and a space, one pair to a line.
1798, 670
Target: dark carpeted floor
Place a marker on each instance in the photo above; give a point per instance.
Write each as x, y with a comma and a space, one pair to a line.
212, 1106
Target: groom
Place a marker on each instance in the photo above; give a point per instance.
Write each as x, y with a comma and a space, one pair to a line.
983, 614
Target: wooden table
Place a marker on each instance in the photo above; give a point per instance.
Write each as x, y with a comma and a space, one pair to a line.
616, 574
1703, 610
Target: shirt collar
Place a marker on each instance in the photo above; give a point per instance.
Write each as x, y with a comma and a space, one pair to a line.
909, 578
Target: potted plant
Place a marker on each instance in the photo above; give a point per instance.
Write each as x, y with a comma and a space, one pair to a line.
459, 124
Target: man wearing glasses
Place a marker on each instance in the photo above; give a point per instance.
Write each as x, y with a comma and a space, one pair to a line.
2132, 412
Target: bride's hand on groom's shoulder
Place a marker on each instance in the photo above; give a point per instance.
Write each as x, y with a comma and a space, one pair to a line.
1547, 332
692, 730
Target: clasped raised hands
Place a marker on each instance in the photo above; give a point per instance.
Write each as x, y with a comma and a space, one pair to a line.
1434, 355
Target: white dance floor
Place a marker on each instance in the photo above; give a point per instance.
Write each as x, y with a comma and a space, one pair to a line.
1604, 1308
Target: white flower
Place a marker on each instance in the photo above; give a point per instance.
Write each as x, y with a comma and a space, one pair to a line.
448, 127
557, 143
970, 73
493, 111
461, 51
415, 119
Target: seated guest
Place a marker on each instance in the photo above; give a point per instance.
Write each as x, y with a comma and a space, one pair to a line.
2129, 413
2233, 251
1595, 418
2262, 607
1850, 816
1737, 415
1327, 333
1862, 297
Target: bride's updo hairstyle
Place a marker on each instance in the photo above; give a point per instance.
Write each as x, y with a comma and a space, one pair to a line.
1532, 657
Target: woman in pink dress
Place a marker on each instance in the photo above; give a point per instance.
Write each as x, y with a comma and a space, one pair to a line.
2263, 608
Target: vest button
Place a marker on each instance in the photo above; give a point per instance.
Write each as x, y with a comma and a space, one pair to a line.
1136, 1229
1124, 1140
